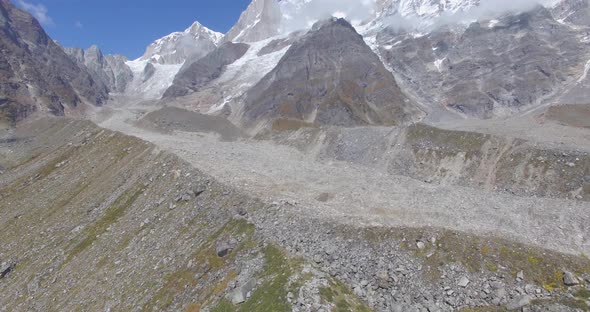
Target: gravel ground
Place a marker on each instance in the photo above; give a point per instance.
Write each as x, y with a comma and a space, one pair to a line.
534, 127
351, 193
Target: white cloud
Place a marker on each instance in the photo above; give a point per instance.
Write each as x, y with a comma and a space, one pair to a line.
79, 25
301, 14
487, 9
39, 11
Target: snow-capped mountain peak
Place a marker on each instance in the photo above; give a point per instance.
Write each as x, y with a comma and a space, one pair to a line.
175, 48
266, 18
260, 20
430, 8
200, 31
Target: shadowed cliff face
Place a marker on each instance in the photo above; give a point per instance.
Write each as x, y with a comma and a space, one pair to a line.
330, 77
35, 73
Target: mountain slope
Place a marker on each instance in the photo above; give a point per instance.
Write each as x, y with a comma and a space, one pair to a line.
195, 42
493, 68
331, 77
576, 12
267, 18
35, 73
194, 76
110, 69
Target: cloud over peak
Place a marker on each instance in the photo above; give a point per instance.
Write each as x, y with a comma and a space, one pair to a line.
39, 11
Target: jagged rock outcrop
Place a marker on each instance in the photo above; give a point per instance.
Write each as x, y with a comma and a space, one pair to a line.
576, 12
192, 77
493, 68
261, 20
110, 69
35, 72
148, 72
330, 77
178, 47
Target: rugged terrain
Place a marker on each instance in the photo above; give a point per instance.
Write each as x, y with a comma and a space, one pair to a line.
194, 76
193, 43
402, 155
109, 69
36, 74
160, 235
330, 77
494, 67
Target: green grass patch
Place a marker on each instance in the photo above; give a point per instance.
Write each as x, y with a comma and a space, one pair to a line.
421, 134
271, 296
67, 198
484, 309
342, 298
582, 294
32, 156
224, 306
110, 216
51, 166
483, 254
207, 265
576, 304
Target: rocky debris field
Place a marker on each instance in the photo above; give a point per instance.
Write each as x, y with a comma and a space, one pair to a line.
370, 176
570, 115
117, 224
170, 119
451, 157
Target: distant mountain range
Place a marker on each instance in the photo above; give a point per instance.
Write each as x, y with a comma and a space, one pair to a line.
327, 62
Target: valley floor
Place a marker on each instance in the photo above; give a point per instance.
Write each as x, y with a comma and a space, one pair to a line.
369, 195
99, 220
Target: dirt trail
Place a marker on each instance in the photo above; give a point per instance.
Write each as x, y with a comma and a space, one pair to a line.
362, 195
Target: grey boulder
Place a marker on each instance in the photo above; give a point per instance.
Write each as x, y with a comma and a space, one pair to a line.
518, 302
241, 293
6, 268
569, 279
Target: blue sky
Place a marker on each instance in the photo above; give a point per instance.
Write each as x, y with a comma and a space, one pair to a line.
128, 26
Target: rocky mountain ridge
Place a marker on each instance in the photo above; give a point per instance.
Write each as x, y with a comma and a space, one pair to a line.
449, 74
195, 75
494, 68
330, 77
36, 74
110, 69
441, 78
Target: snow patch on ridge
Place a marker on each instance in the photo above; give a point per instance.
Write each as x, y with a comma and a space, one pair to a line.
438, 63
585, 75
